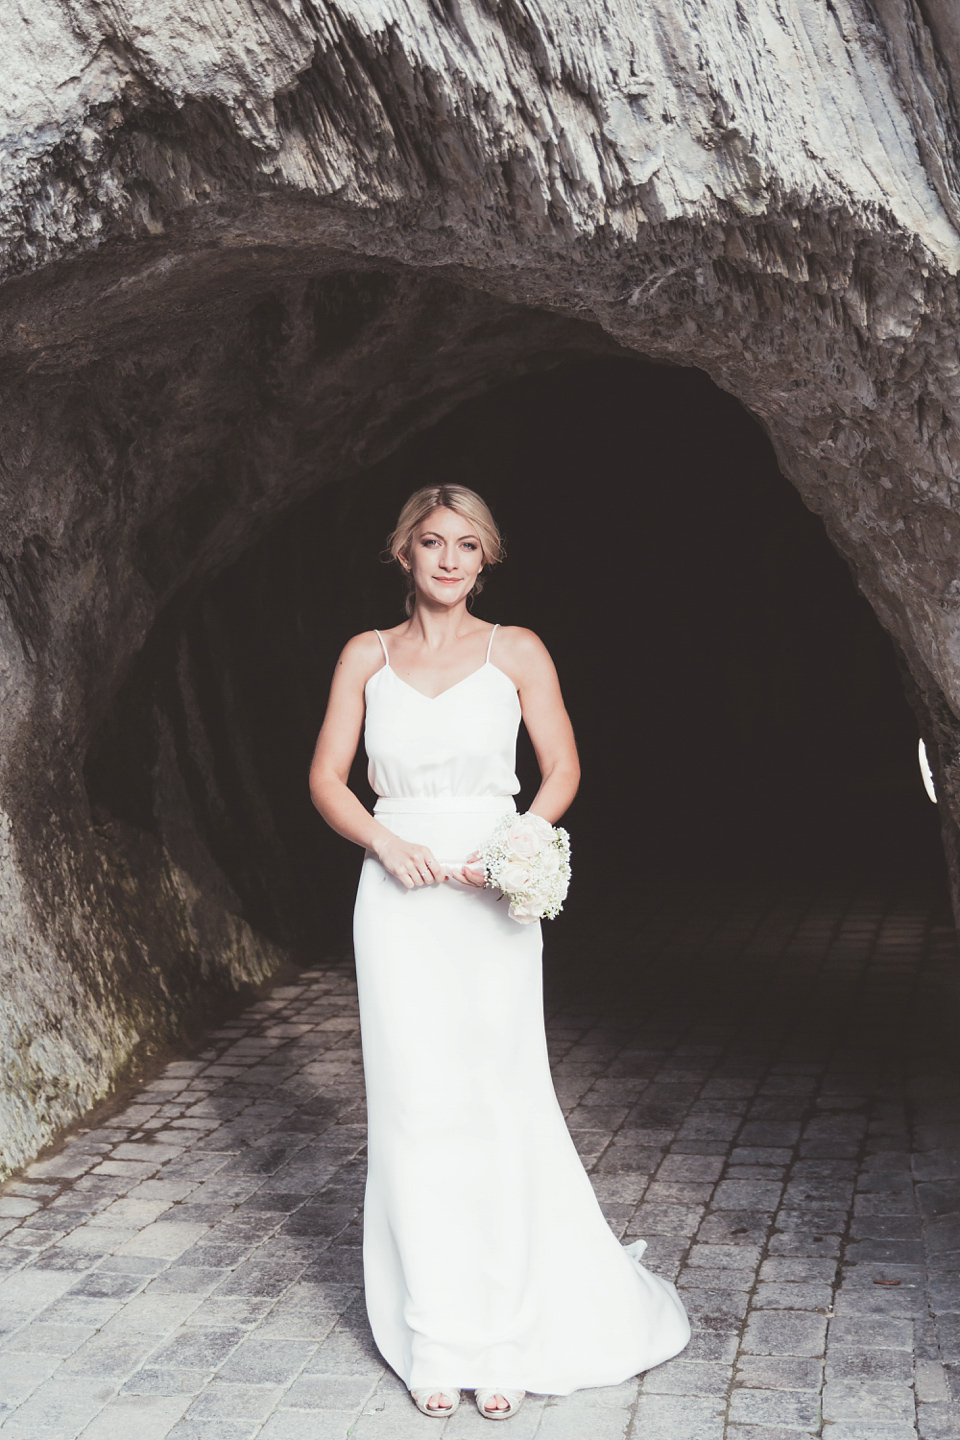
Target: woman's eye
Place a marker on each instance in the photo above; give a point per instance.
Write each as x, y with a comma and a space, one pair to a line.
469, 544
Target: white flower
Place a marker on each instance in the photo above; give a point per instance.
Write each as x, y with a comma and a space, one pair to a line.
529, 860
523, 838
515, 877
549, 861
522, 913
540, 827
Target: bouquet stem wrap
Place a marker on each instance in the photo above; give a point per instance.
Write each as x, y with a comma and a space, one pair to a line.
529, 860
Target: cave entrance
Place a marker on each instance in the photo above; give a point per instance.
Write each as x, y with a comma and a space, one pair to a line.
738, 706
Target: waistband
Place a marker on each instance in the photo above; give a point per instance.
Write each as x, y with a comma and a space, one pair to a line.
444, 805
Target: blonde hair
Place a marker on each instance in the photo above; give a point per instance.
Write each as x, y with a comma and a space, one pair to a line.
461, 501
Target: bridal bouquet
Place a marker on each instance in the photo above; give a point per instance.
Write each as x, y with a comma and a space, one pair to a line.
529, 860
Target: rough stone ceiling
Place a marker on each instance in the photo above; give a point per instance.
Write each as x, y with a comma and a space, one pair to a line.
247, 247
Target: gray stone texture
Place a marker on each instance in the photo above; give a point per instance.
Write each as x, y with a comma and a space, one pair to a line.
224, 234
224, 1301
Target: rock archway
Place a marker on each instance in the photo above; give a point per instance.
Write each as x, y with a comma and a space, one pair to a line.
738, 709
248, 255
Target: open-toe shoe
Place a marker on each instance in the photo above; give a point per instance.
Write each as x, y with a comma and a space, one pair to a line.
447, 1392
514, 1399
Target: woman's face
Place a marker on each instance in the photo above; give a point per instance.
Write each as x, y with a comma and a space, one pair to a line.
445, 557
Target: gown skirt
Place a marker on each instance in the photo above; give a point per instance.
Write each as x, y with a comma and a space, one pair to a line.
487, 1260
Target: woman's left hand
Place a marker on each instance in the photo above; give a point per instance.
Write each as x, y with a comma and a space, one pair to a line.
471, 872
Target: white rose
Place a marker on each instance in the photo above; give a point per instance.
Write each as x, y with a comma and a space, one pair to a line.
522, 912
549, 861
514, 877
540, 827
536, 901
522, 839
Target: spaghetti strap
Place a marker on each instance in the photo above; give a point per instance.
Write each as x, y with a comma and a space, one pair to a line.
490, 645
386, 657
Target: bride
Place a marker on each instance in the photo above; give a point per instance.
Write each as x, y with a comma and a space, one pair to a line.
488, 1265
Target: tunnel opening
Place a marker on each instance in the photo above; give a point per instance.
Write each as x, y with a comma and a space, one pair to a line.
740, 711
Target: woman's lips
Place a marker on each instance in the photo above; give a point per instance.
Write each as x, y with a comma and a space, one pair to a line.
446, 580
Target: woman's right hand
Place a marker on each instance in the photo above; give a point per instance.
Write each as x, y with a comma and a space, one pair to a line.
412, 865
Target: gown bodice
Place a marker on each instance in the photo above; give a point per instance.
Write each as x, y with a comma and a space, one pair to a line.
460, 743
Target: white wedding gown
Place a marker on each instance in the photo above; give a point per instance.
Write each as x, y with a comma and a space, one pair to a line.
487, 1260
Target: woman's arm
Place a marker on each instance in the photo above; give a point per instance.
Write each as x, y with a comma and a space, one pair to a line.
336, 746
526, 660
547, 722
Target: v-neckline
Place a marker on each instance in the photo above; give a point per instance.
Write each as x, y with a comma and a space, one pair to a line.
441, 694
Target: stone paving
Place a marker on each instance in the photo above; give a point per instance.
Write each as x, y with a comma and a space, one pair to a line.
765, 1088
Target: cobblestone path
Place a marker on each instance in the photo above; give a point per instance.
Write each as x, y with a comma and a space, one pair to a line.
764, 1088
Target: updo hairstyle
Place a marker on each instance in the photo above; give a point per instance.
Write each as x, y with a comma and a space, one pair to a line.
462, 502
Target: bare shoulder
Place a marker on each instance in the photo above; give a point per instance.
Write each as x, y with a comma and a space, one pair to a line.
361, 657
517, 640
522, 654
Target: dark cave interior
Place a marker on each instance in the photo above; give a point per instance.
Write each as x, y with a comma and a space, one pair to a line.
738, 706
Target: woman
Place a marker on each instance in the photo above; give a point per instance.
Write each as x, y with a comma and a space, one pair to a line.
487, 1262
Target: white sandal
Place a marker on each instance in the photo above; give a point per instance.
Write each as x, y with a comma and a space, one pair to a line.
421, 1396
514, 1399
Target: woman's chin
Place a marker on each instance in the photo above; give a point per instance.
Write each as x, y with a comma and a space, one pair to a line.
447, 594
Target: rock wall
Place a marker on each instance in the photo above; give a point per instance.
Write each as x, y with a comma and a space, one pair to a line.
247, 246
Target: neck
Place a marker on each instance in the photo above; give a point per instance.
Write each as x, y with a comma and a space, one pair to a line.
438, 625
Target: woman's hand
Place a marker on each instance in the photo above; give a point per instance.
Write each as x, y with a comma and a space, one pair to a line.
471, 872
412, 865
